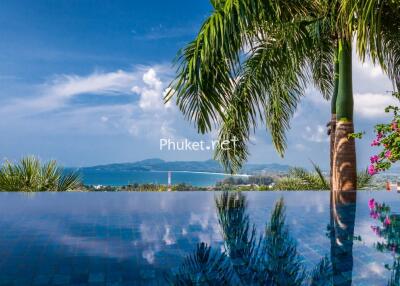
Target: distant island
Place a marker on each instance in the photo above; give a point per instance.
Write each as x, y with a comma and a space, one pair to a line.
211, 166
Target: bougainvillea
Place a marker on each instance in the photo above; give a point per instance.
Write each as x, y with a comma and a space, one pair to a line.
389, 228
388, 138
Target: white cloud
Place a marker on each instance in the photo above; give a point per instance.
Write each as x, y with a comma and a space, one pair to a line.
100, 83
368, 69
141, 89
316, 134
151, 93
370, 105
300, 147
58, 92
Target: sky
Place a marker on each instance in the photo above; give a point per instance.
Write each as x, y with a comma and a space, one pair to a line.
82, 82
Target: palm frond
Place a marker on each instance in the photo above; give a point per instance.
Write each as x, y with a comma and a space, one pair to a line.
395, 274
322, 273
239, 236
272, 259
378, 32
310, 181
364, 179
50, 174
241, 69
68, 181
321, 49
324, 183
283, 265
204, 267
30, 176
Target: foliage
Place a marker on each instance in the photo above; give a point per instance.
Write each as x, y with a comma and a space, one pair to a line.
389, 232
203, 267
301, 179
250, 180
31, 176
389, 229
270, 259
252, 61
388, 137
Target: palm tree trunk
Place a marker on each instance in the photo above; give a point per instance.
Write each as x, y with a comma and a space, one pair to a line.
344, 174
333, 113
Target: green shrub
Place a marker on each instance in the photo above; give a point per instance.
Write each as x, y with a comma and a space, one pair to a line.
29, 175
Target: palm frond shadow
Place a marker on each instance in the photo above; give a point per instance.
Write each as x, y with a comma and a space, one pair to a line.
247, 258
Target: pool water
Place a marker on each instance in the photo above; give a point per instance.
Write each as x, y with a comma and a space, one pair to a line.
129, 238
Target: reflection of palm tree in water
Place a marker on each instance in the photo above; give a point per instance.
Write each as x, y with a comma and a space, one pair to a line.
248, 259
341, 230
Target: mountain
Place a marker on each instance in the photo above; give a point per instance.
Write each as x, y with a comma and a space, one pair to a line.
190, 166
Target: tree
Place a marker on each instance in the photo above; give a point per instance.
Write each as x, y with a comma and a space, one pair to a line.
31, 176
252, 60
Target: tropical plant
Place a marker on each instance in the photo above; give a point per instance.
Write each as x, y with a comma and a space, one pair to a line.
388, 137
270, 259
31, 176
252, 61
302, 179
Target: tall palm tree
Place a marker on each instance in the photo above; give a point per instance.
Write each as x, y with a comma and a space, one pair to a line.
252, 60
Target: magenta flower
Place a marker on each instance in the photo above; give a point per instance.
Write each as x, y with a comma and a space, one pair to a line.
388, 154
379, 136
371, 170
375, 143
387, 221
371, 204
375, 229
374, 159
374, 215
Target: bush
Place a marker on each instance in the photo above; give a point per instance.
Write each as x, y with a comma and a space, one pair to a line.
31, 176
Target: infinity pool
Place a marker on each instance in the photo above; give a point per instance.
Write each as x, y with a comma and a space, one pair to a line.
143, 238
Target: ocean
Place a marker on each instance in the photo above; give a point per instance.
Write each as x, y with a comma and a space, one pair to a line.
120, 178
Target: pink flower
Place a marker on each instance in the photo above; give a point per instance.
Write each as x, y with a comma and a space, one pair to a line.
379, 136
375, 143
374, 159
371, 203
387, 221
394, 125
371, 170
388, 154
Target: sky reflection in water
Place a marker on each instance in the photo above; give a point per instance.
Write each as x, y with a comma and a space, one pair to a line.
133, 238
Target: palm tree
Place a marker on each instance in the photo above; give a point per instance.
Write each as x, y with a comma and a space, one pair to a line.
252, 60
271, 259
31, 176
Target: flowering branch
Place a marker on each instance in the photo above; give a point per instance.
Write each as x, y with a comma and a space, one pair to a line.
388, 137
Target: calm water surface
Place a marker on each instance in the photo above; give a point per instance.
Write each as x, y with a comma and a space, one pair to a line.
120, 178
139, 238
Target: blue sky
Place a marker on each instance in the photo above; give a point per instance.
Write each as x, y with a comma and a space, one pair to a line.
82, 82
